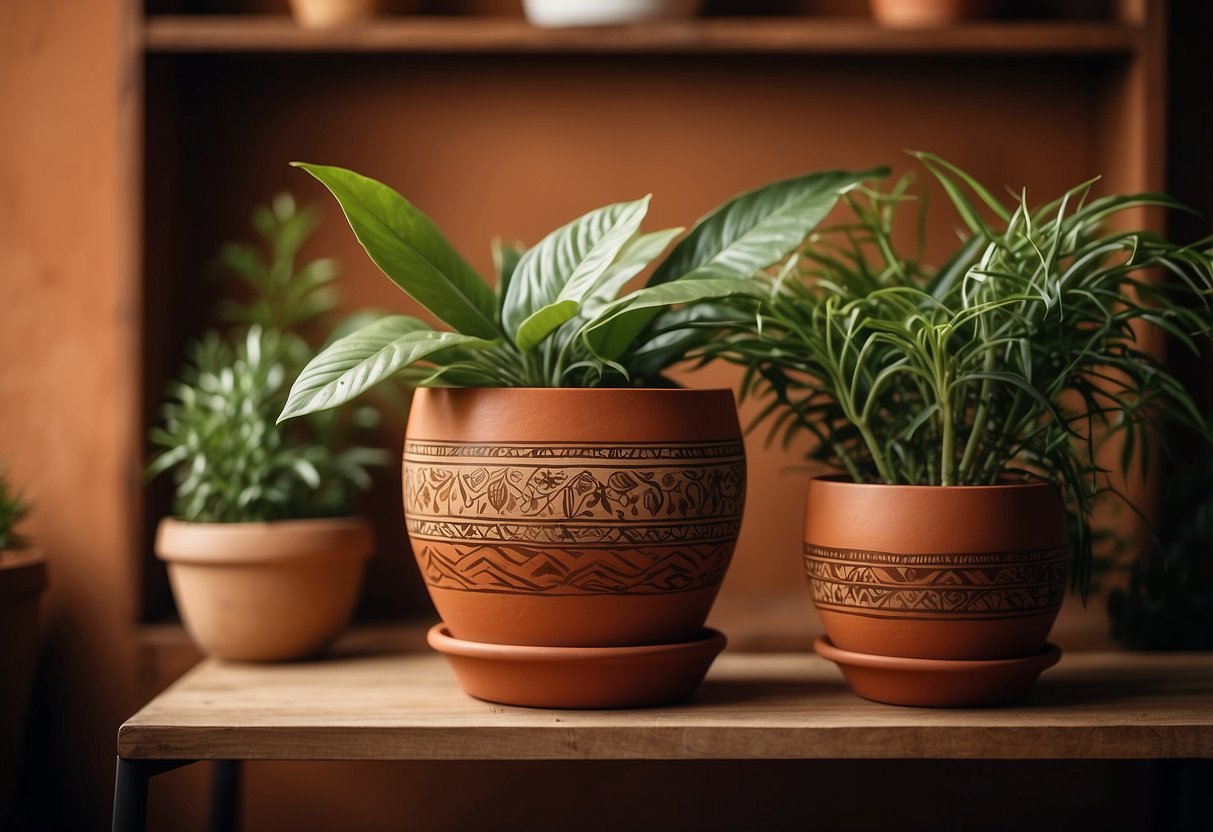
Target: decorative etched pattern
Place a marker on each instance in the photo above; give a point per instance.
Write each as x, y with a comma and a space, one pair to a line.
613, 534
988, 584
574, 491
564, 519
629, 452
575, 571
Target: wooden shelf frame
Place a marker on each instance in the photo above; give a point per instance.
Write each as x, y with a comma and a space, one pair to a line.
801, 35
367, 705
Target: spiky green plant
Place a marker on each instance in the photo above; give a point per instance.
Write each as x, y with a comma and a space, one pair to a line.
1016, 357
13, 510
231, 461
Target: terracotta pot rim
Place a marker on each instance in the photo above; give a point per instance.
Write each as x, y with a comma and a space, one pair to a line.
843, 481
439, 637
183, 541
1046, 657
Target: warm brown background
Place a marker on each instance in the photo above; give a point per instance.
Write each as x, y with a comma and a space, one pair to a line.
119, 176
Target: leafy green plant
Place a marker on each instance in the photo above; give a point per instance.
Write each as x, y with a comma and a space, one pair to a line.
13, 510
557, 316
231, 461
1017, 357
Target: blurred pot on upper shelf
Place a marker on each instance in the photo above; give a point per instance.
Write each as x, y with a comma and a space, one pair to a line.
330, 14
927, 14
263, 561
561, 13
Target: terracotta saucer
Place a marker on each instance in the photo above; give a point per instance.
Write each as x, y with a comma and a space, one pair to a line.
579, 677
938, 683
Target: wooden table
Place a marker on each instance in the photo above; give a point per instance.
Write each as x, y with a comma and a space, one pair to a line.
407, 706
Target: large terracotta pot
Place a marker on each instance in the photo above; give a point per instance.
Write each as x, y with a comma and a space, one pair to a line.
929, 572
573, 518
22, 580
265, 591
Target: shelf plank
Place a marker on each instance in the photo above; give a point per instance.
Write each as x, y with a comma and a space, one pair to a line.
777, 35
406, 705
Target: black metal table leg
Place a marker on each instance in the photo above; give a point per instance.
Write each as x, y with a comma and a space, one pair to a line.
225, 796
130, 791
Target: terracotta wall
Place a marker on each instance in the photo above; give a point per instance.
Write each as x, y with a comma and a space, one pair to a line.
67, 322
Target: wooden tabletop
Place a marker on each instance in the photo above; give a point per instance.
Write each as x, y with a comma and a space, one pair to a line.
406, 706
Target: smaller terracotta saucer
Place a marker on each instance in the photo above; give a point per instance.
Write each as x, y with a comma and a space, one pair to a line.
939, 683
579, 677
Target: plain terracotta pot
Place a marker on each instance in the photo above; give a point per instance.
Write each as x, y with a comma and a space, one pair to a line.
926, 14
936, 573
265, 591
573, 518
579, 677
22, 581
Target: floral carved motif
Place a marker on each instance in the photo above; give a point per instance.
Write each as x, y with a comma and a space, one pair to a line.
574, 489
998, 584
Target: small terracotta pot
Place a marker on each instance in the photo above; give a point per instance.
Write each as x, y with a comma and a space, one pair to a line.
265, 591
926, 14
573, 518
22, 580
936, 573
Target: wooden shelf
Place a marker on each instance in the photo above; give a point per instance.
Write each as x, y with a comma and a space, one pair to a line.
773, 35
403, 704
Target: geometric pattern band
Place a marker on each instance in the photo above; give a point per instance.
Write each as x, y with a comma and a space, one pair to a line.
552, 571
985, 584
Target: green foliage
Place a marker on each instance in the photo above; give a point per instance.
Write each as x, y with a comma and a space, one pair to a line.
12, 510
557, 317
231, 462
1018, 356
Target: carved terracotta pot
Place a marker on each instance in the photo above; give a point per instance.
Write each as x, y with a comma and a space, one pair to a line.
265, 591
573, 518
929, 572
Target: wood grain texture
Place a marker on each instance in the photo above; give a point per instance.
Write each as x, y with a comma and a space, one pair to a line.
406, 706
793, 35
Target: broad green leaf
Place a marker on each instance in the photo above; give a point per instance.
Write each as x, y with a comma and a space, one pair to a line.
758, 228
407, 246
565, 266
542, 322
505, 261
352, 365
638, 253
613, 332
675, 332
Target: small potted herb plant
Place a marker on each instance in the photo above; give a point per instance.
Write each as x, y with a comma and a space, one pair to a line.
22, 580
264, 560
965, 406
571, 512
